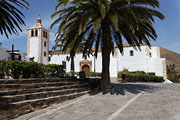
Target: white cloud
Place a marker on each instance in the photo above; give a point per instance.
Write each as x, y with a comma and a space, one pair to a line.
13, 36
178, 51
52, 37
176, 44
47, 23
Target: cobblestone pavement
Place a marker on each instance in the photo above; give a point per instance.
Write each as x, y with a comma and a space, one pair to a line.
136, 101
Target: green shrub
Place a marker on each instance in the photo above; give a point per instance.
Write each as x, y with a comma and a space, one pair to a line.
93, 74
27, 70
19, 69
139, 76
174, 77
151, 73
16, 68
3, 69
90, 74
53, 70
138, 72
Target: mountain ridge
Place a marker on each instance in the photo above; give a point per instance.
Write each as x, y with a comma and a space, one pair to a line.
170, 56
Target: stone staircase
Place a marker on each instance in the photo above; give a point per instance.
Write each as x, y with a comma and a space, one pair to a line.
18, 97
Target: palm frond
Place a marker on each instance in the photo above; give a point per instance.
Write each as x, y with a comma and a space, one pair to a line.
11, 17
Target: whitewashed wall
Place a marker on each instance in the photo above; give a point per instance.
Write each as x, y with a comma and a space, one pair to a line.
133, 63
155, 50
34, 47
4, 55
45, 49
57, 59
140, 61
156, 65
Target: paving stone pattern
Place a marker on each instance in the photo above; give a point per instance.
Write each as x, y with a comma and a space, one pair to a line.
158, 102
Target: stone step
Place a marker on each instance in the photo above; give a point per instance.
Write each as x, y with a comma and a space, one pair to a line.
20, 108
4, 87
18, 97
35, 80
30, 96
24, 91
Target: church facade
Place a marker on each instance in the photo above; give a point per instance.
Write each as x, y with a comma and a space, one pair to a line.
148, 59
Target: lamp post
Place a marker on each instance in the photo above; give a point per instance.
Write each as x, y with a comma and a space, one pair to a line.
12, 55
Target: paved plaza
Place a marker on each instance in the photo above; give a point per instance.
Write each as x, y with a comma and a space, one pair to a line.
130, 101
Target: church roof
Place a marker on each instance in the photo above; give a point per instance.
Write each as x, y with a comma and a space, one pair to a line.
127, 45
38, 22
38, 25
93, 49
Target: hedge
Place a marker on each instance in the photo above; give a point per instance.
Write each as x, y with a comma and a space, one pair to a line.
94, 74
20, 69
90, 74
139, 76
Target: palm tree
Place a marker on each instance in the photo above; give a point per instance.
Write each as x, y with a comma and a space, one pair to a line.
11, 17
105, 23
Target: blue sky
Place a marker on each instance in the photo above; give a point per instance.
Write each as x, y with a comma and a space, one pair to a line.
168, 30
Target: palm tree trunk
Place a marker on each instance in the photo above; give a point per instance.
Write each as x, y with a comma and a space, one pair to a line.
106, 50
72, 63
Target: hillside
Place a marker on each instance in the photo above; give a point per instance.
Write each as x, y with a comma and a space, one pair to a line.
171, 57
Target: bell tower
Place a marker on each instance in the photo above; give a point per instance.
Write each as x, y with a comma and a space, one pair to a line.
38, 42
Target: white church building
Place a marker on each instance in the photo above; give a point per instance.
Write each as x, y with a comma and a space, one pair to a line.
147, 59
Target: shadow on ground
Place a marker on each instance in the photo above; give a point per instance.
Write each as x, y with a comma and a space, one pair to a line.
121, 89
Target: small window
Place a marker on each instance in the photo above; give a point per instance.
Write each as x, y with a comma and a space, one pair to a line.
32, 33
49, 59
131, 53
44, 33
44, 44
19, 57
150, 54
36, 33
44, 54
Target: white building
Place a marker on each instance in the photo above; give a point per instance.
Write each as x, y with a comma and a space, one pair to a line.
38, 42
6, 54
147, 60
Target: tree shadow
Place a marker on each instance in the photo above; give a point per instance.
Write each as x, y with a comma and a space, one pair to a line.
121, 89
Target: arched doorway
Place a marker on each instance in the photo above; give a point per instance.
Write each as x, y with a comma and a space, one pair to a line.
86, 68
